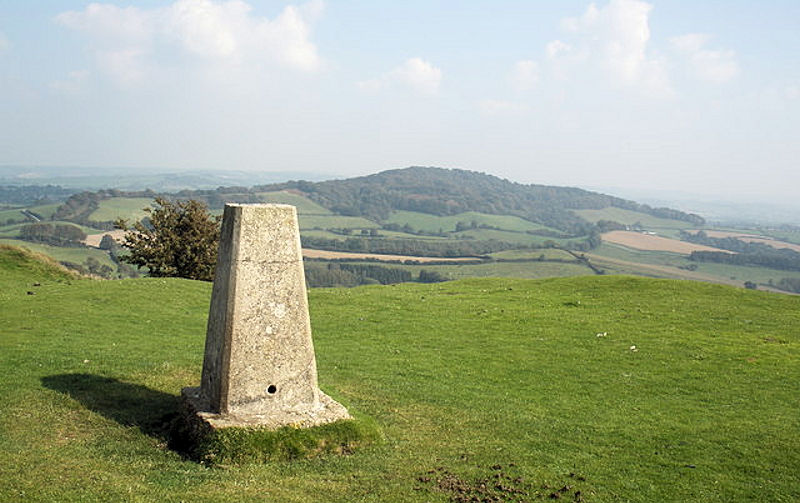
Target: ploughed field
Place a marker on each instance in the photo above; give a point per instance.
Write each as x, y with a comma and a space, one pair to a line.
579, 389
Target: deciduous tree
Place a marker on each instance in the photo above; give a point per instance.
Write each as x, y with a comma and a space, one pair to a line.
179, 238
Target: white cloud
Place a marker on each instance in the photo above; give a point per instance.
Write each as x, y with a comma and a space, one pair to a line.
613, 39
525, 75
415, 73
502, 107
4, 44
710, 65
555, 48
73, 84
126, 40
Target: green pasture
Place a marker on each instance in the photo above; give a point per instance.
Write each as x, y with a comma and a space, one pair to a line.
596, 389
433, 223
77, 255
335, 222
548, 253
304, 205
519, 238
129, 208
628, 217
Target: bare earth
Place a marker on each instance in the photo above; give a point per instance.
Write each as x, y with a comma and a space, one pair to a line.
325, 254
753, 238
640, 241
94, 239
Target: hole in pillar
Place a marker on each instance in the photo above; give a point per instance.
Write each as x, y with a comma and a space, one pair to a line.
271, 389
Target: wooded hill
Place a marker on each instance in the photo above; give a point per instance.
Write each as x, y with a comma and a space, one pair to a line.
439, 191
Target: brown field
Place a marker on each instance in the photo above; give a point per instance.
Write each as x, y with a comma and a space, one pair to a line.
753, 238
325, 254
94, 239
640, 241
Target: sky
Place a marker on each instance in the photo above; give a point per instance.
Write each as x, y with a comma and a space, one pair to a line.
698, 97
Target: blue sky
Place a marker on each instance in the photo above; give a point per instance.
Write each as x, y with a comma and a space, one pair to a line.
702, 97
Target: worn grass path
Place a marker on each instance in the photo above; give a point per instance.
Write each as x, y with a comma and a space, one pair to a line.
472, 381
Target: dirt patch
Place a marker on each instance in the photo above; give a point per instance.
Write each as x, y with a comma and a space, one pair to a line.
94, 239
501, 483
325, 254
641, 241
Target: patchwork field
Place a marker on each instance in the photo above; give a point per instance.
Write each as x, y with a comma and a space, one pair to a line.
433, 223
641, 241
753, 238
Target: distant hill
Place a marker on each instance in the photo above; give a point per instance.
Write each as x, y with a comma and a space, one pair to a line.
439, 191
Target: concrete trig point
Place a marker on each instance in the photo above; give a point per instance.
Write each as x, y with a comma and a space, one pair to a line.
259, 367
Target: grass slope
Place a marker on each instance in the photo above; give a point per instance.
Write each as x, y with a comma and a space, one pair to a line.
469, 380
130, 208
76, 255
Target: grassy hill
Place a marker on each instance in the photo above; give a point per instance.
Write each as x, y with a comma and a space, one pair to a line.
534, 386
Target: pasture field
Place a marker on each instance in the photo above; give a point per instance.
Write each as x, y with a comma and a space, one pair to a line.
791, 236
44, 210
129, 208
548, 253
641, 241
333, 255
689, 393
753, 238
628, 217
433, 223
77, 255
529, 270
305, 206
12, 214
335, 222
519, 238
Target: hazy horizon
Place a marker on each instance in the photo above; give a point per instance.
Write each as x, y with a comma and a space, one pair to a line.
702, 98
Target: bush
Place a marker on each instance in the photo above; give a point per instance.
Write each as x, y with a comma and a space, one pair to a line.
180, 239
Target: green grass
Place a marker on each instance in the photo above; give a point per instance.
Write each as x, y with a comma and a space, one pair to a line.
520, 238
304, 205
549, 253
13, 214
335, 222
77, 255
432, 223
130, 208
629, 217
738, 273
461, 376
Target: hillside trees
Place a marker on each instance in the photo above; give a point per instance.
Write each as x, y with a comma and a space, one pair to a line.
178, 239
52, 234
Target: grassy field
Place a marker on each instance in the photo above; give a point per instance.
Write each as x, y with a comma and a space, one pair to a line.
629, 217
335, 222
77, 255
691, 394
432, 223
130, 208
304, 205
548, 253
519, 238
736, 274
530, 270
